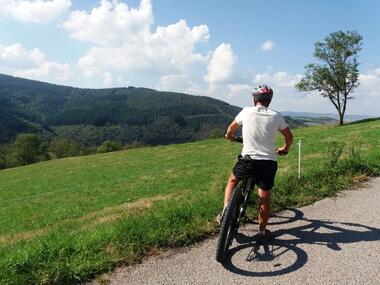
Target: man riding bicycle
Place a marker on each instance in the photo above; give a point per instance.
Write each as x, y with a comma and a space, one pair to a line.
260, 126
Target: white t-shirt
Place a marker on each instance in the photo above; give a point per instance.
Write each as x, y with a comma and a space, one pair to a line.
260, 127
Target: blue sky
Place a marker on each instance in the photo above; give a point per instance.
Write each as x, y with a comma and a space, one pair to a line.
215, 48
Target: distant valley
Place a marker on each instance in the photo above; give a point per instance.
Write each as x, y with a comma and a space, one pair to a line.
334, 116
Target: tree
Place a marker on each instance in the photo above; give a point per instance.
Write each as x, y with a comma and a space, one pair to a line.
64, 148
28, 148
5, 156
109, 146
337, 75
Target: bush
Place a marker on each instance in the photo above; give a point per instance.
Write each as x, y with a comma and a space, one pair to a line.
353, 149
134, 144
29, 148
109, 146
334, 152
64, 148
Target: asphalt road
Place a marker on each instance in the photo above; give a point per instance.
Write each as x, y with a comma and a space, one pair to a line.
334, 241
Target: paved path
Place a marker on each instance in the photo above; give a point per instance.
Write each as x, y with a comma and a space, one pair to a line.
334, 241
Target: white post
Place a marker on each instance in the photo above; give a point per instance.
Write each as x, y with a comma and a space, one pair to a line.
299, 159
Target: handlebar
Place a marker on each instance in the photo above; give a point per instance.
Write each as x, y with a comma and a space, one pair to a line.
281, 152
240, 140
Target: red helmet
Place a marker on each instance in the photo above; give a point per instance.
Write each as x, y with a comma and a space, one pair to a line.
263, 93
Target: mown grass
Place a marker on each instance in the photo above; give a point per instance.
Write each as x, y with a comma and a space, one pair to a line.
65, 221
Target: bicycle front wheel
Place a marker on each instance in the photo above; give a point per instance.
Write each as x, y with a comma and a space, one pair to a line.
229, 224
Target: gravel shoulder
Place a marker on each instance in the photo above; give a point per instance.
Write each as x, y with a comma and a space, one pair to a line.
334, 241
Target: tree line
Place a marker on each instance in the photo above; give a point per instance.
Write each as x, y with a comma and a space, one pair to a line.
31, 148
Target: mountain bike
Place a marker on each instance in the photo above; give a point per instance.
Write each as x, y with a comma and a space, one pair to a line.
235, 211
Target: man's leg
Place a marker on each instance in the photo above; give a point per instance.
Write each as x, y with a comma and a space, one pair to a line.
231, 184
264, 209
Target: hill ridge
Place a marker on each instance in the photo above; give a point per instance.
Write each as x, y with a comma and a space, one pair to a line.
124, 114
91, 116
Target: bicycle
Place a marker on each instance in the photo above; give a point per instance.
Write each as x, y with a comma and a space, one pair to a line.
235, 211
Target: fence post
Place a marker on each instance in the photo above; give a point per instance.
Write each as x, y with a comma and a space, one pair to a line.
299, 159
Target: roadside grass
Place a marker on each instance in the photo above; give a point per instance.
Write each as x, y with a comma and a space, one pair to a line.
68, 220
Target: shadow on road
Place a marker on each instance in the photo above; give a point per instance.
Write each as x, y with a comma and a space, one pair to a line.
283, 255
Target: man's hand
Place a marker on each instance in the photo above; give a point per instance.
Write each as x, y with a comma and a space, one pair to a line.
282, 150
229, 137
231, 131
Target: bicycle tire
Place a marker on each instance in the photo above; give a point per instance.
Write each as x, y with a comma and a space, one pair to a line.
229, 224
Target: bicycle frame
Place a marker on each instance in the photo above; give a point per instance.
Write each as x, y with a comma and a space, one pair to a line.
247, 185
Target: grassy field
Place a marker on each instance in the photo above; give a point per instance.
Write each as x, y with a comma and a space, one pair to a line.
67, 220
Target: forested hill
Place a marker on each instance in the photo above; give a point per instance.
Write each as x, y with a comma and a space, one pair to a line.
91, 116
127, 115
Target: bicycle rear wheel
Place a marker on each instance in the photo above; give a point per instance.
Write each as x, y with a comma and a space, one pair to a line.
229, 224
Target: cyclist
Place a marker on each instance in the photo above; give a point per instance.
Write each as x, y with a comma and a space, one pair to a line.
260, 125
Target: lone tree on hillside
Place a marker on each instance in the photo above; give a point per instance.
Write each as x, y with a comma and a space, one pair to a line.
337, 75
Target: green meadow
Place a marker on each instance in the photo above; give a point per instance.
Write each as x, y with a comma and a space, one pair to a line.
68, 220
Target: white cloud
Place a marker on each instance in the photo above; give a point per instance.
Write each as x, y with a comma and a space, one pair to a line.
47, 71
367, 96
107, 78
237, 90
221, 65
19, 61
125, 41
286, 97
236, 93
112, 23
267, 45
280, 79
120, 80
370, 83
179, 83
239, 93
38, 11
18, 55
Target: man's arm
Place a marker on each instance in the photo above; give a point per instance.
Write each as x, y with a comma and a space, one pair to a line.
231, 130
288, 136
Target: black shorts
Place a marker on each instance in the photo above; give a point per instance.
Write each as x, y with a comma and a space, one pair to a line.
262, 171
